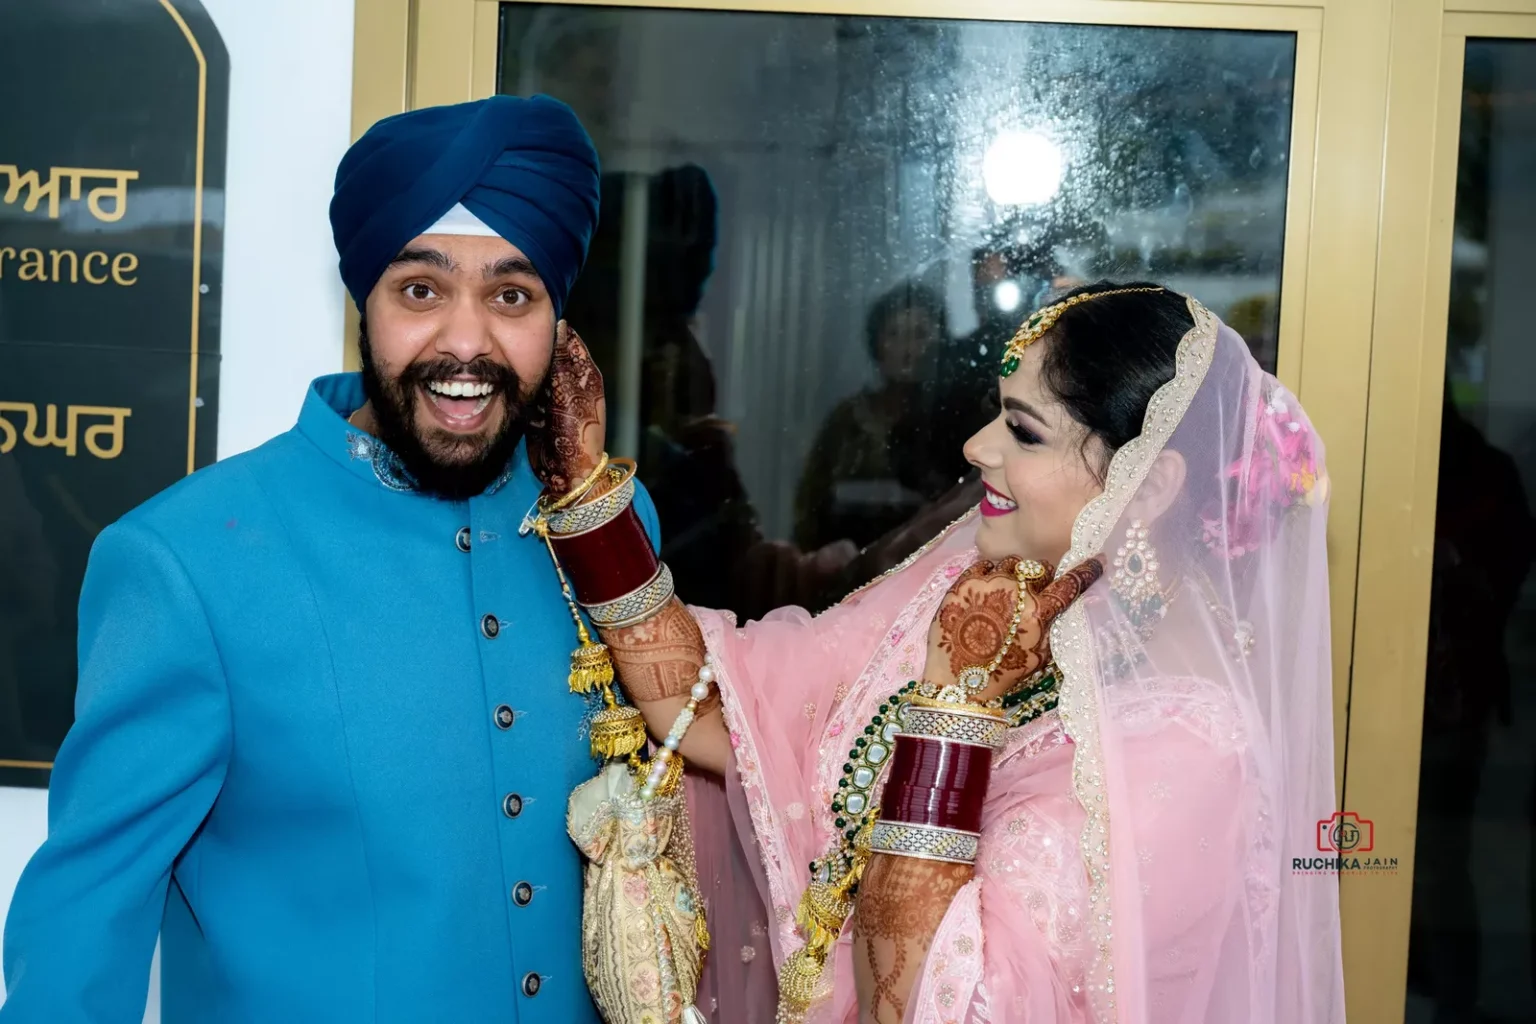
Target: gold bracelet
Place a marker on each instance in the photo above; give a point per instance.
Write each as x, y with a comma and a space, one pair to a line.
924, 842
588, 516
636, 606
582, 488
951, 723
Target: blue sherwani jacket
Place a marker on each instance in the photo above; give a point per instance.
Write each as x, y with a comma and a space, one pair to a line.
323, 747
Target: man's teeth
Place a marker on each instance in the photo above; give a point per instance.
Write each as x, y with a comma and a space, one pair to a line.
997, 501
479, 408
461, 388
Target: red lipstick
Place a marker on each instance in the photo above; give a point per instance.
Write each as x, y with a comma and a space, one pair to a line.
996, 503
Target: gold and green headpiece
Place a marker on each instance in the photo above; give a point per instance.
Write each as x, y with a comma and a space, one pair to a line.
1042, 320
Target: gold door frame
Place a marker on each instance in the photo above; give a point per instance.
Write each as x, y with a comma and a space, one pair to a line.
1354, 287
1402, 463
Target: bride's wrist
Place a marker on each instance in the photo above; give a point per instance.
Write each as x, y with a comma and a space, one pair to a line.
939, 777
606, 552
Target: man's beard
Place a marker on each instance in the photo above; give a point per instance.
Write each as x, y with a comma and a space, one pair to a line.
455, 467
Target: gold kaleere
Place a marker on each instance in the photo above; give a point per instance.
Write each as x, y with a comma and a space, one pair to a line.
618, 731
627, 840
591, 665
701, 932
824, 910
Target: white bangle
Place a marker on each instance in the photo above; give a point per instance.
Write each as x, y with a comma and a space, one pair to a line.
685, 717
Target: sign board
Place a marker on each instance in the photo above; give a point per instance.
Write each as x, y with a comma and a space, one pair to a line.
111, 225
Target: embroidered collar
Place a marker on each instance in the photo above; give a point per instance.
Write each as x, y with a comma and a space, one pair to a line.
323, 420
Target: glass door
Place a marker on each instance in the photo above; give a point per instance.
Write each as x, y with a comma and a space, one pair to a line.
1443, 717
1471, 952
819, 232
819, 214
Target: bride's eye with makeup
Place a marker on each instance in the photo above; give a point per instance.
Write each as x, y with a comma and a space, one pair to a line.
1022, 434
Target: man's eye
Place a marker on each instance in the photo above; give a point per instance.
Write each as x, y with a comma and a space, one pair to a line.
419, 291
514, 296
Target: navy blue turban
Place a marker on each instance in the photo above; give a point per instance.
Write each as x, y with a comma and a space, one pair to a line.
525, 167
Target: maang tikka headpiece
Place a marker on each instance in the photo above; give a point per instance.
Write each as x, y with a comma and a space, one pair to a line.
1042, 320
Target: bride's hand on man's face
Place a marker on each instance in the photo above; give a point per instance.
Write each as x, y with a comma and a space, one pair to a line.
973, 621
567, 435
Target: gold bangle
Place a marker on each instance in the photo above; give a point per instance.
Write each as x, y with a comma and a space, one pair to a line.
950, 723
582, 488
588, 516
636, 606
924, 842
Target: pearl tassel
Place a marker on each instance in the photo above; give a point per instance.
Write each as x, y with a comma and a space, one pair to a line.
685, 717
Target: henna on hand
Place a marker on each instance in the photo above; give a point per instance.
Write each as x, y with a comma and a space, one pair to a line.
567, 430
1055, 596
974, 625
900, 904
973, 621
660, 657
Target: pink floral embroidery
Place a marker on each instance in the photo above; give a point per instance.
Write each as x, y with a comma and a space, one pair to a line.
645, 983
1280, 472
635, 890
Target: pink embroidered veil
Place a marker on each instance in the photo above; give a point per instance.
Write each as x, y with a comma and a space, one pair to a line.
1135, 864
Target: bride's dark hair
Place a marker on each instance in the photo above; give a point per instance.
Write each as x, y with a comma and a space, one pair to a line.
1105, 358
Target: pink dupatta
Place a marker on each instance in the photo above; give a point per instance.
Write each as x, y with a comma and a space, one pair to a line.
1134, 864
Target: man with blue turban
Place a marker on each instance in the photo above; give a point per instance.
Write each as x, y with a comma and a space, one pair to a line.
323, 743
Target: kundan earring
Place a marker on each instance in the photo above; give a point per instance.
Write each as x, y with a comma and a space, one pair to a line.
1135, 581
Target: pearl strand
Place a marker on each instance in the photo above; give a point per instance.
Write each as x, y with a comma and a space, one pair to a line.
685, 717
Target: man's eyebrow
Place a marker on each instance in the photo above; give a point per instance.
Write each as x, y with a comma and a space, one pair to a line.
510, 265
431, 257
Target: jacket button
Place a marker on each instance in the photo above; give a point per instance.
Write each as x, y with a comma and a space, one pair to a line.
490, 627
512, 805
461, 540
522, 894
505, 716
531, 984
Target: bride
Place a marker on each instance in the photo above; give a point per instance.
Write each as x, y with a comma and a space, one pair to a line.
1052, 768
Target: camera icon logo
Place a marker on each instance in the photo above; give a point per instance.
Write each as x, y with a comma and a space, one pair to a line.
1346, 832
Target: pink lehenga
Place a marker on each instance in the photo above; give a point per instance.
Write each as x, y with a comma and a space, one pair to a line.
1135, 858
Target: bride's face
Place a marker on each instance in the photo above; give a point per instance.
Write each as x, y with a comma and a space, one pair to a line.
1036, 462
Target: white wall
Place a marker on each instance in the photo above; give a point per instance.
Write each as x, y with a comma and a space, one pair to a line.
290, 112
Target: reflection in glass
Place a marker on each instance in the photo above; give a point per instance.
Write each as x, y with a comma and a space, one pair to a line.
819, 231
1471, 947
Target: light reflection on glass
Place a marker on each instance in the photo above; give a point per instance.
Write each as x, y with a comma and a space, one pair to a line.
1022, 169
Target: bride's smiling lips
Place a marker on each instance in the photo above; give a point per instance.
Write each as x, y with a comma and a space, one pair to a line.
996, 503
